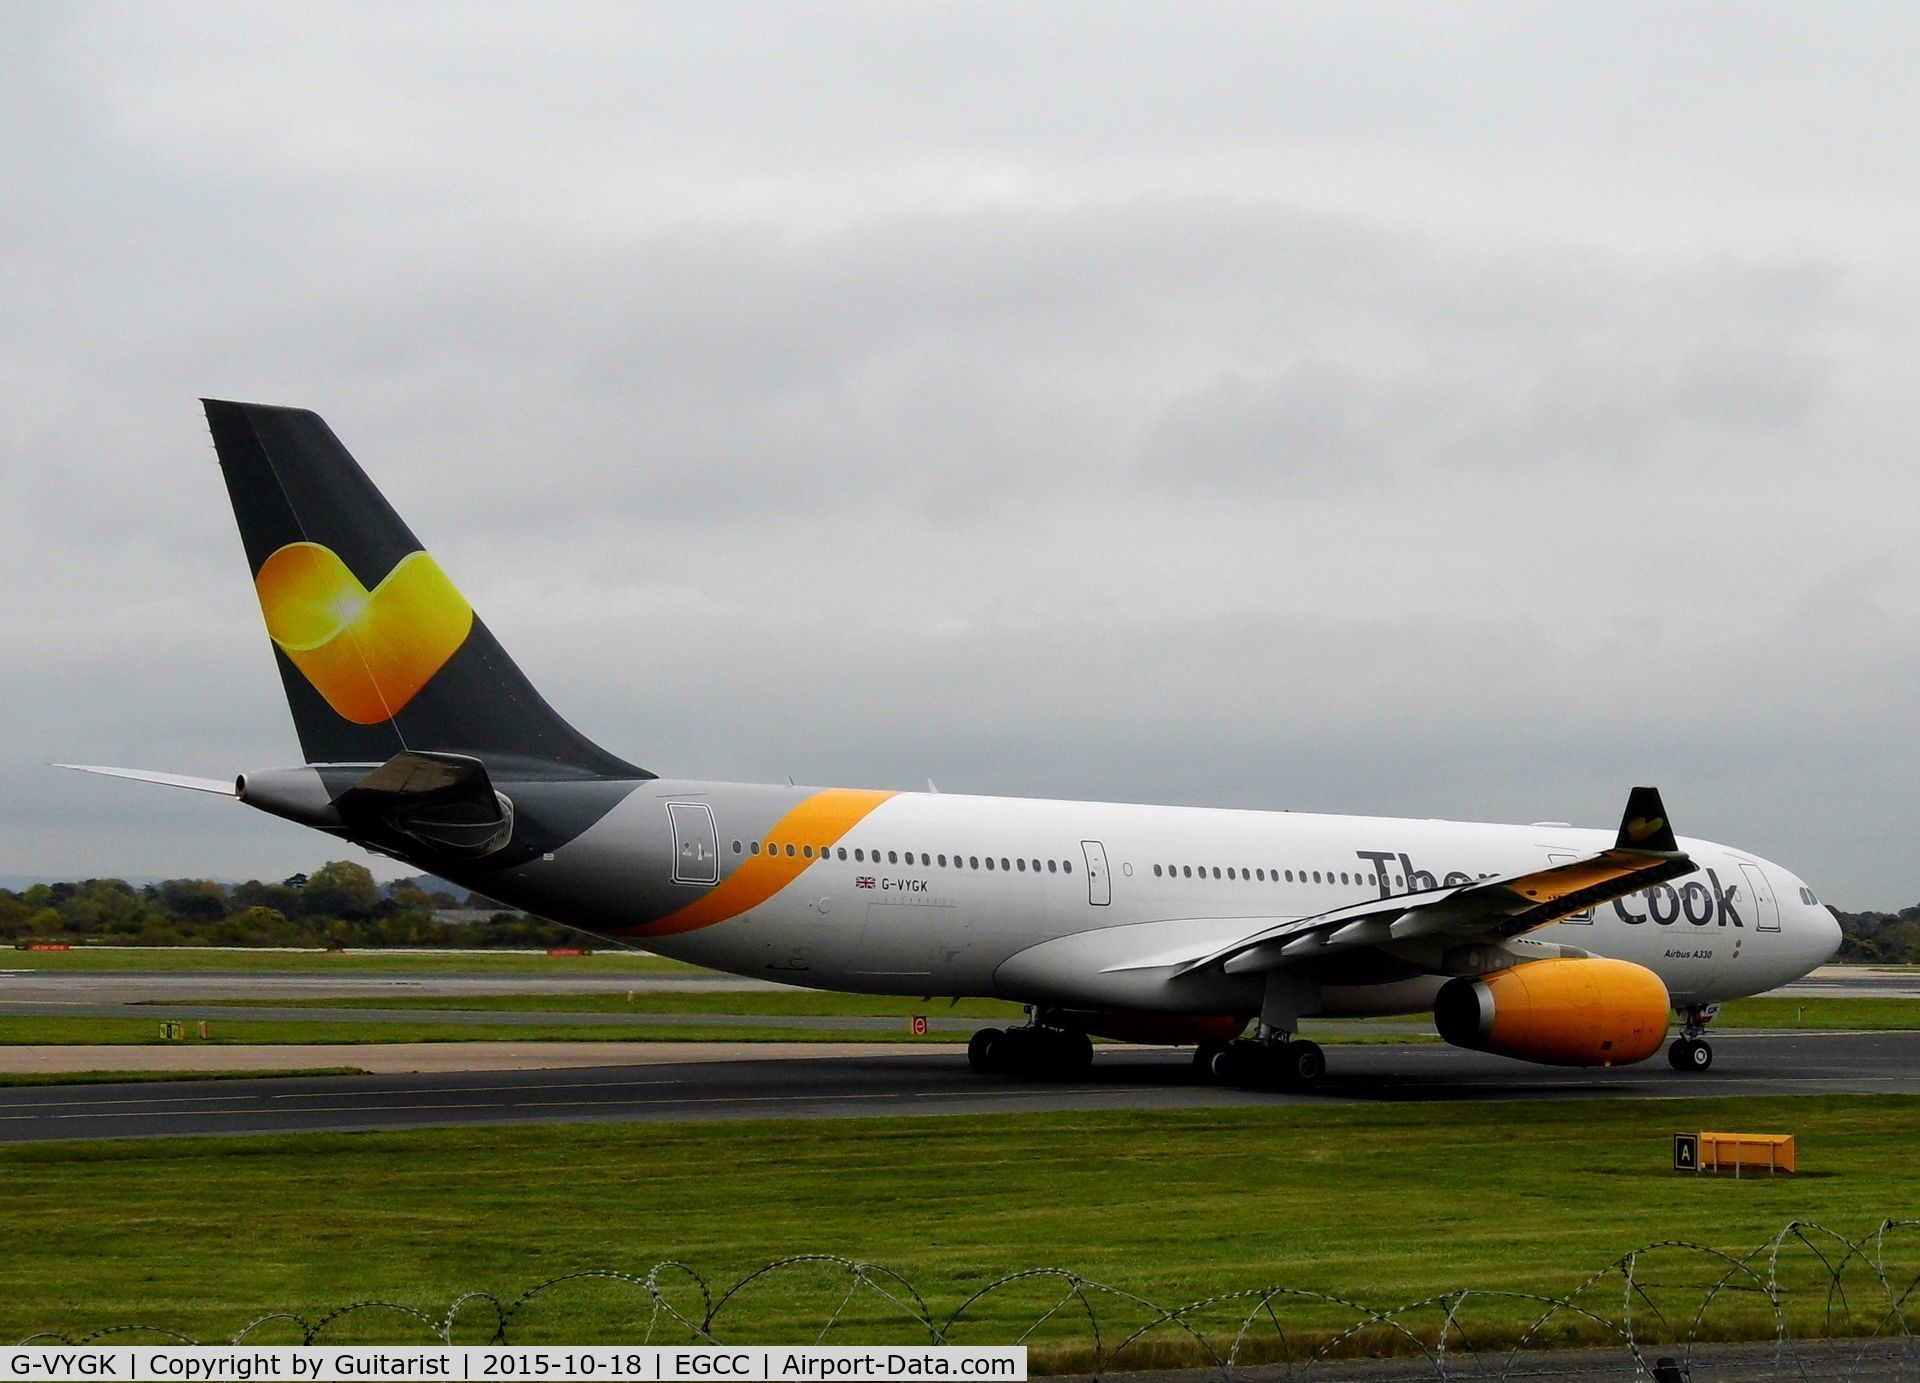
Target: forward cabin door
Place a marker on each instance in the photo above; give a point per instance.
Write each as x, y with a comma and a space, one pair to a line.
1556, 857
1099, 886
1766, 908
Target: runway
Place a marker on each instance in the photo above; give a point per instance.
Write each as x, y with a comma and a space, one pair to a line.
915, 1081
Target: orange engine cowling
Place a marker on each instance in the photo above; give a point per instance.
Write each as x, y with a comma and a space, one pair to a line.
1565, 1012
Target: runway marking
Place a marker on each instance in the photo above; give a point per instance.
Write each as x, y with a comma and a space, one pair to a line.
177, 1099
239, 1113
469, 1089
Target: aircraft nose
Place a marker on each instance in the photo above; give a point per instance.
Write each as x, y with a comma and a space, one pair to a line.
1828, 926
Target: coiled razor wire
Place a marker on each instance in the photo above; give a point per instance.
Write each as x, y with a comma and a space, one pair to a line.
1654, 1309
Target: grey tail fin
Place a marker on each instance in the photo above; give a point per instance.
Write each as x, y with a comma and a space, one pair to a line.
379, 652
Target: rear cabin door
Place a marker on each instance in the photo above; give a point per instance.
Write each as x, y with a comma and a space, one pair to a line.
1099, 886
696, 846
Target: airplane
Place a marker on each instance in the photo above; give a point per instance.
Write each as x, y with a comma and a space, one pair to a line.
1215, 929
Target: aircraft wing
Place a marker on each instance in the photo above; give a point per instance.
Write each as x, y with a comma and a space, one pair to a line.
1644, 853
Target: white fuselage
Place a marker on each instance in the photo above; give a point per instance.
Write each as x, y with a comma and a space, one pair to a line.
1096, 905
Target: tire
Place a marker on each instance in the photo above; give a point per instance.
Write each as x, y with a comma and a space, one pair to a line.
1073, 1054
1304, 1063
1228, 1065
1690, 1054
1204, 1054
980, 1051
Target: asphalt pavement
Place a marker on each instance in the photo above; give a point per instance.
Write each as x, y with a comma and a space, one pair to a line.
916, 1081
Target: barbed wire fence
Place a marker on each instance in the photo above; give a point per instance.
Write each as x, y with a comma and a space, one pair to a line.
1810, 1303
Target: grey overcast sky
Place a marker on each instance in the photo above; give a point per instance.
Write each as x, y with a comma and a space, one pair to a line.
1412, 409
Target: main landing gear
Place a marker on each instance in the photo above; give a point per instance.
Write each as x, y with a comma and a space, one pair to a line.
1270, 1063
1690, 1051
1036, 1051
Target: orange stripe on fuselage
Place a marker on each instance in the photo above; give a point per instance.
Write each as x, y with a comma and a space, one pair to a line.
819, 821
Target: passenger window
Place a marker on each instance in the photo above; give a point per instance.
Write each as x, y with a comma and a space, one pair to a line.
989, 861
1003, 862
1066, 866
973, 861
1316, 876
943, 861
1053, 867
756, 847
1023, 865
807, 850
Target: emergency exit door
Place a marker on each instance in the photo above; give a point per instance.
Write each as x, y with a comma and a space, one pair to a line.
1099, 886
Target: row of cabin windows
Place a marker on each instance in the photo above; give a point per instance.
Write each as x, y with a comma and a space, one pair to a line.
1273, 876
861, 855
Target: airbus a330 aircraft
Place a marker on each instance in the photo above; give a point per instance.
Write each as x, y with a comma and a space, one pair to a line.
1220, 929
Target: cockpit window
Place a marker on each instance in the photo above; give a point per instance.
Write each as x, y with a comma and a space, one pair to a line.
1806, 895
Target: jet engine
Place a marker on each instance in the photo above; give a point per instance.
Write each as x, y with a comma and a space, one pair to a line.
1567, 1012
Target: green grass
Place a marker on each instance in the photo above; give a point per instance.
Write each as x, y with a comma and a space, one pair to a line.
146, 959
1835, 1014
14, 1078
1386, 1204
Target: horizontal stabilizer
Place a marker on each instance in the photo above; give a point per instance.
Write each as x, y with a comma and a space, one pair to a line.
222, 786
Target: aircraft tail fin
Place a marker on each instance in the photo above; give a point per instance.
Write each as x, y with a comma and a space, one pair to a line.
379, 652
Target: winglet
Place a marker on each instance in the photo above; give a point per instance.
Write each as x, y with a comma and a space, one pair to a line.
1644, 827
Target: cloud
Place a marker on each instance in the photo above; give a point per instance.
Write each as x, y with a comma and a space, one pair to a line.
1469, 415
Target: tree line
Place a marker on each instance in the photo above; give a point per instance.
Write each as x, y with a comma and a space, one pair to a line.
1886, 938
339, 904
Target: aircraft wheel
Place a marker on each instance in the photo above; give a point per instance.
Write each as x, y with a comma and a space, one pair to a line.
1071, 1053
1204, 1055
980, 1049
1232, 1064
1303, 1064
1690, 1054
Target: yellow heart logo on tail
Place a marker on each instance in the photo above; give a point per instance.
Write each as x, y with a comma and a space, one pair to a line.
1640, 828
367, 652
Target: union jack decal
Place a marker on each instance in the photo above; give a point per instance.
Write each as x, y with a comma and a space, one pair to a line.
864, 881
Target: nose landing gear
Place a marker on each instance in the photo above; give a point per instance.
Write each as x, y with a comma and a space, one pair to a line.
1690, 1051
